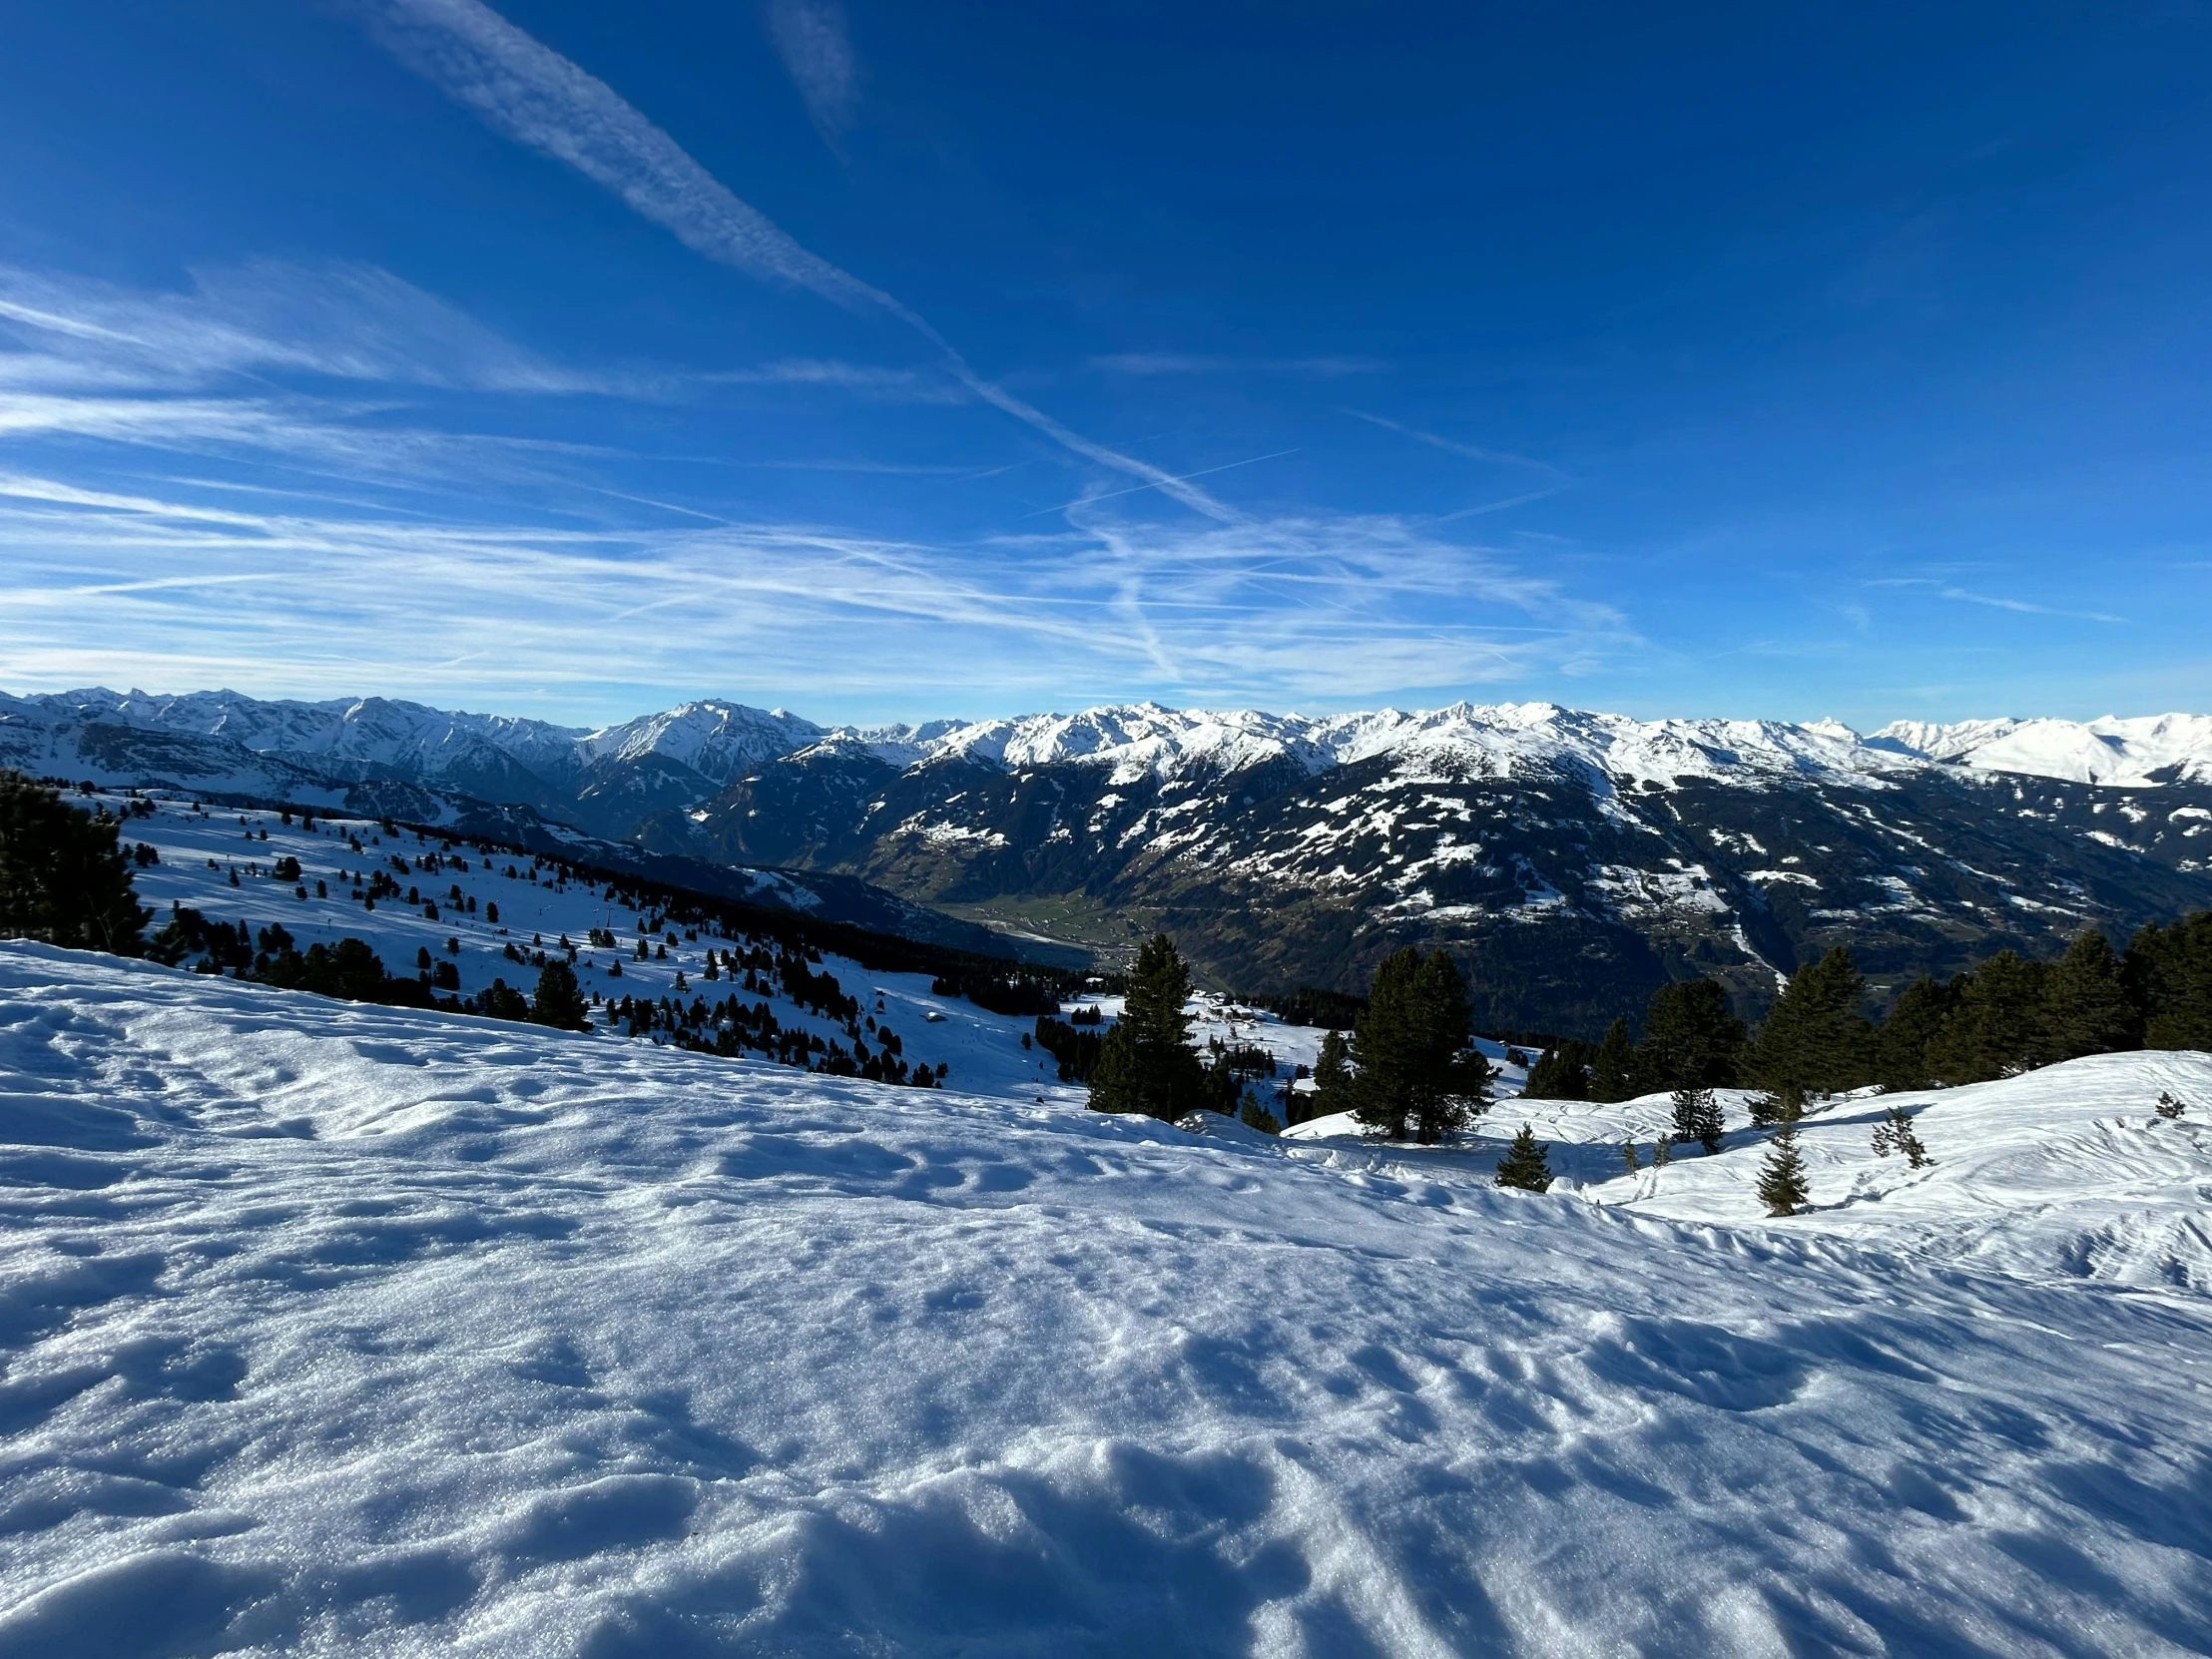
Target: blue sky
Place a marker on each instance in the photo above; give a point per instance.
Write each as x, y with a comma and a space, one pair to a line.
888, 362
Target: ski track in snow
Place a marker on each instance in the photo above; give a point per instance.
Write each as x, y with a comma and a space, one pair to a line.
339, 1329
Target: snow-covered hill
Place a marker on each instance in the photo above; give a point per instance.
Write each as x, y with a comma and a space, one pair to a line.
2155, 749
2067, 1172
527, 907
345, 1329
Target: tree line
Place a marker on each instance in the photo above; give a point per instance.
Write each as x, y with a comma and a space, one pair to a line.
2005, 1015
1407, 1071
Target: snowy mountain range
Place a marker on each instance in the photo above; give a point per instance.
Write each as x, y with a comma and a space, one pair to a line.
1574, 859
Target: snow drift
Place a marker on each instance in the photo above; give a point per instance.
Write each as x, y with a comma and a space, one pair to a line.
339, 1329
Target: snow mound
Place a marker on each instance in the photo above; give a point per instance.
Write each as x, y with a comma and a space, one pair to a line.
339, 1329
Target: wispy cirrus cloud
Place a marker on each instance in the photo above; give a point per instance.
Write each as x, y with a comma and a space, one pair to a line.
1312, 610
815, 40
524, 89
895, 385
1472, 451
336, 320
1184, 363
1996, 602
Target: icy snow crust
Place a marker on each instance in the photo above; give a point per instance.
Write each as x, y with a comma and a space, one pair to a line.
345, 1330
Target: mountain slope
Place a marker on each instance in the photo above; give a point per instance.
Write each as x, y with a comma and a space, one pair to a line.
339, 1328
1574, 860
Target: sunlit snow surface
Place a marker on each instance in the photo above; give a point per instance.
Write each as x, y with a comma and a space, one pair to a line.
347, 1330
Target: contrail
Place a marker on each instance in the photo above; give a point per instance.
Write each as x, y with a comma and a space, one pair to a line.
531, 93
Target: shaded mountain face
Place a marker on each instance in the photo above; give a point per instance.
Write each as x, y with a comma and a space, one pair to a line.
1567, 893
1572, 860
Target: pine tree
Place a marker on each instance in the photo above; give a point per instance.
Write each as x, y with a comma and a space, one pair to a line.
1561, 1072
1114, 1082
1782, 1105
2169, 973
1692, 1038
1613, 1067
1782, 1184
1415, 1075
503, 1002
1915, 1020
1146, 1063
1815, 1036
1628, 1155
1332, 1076
63, 876
1895, 1134
1697, 1117
559, 1002
1996, 1026
2086, 1008
2168, 1106
1524, 1164
1662, 1152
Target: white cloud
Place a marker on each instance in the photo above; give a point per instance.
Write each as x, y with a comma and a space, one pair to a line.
539, 97
1181, 362
1472, 451
339, 320
1312, 610
816, 44
895, 385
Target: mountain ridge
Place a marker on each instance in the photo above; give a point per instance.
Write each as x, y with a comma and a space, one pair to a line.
715, 738
1572, 860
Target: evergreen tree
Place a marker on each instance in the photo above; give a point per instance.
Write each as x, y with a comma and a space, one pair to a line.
1146, 1063
1996, 1026
1782, 1184
1561, 1072
2170, 973
1783, 1105
1916, 1018
559, 1002
1692, 1038
1895, 1134
1524, 1164
1628, 1155
1114, 1082
1257, 1116
1332, 1076
503, 1002
1662, 1152
1415, 1076
2086, 1008
62, 876
1815, 1036
1697, 1117
2170, 1105
1613, 1067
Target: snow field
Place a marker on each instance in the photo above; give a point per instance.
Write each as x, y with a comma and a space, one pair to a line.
2068, 1171
339, 1329
983, 1049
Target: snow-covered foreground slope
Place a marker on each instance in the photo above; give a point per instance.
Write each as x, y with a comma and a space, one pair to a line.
339, 1329
2065, 1172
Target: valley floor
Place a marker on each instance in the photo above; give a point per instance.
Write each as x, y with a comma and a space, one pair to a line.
335, 1329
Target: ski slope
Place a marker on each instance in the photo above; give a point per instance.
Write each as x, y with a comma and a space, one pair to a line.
337, 1329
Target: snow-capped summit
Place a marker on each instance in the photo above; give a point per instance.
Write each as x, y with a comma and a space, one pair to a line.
714, 739
2148, 749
